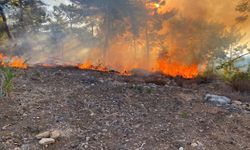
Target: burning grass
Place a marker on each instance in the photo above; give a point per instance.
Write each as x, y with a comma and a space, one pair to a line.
12, 61
171, 69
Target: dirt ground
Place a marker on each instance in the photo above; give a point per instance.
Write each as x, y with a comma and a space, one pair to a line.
96, 110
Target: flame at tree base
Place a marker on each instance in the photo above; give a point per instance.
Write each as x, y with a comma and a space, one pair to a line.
175, 69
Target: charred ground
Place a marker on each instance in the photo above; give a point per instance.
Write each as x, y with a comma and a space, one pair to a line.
105, 110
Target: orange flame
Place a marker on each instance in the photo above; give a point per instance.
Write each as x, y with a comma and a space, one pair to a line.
89, 65
85, 65
14, 62
178, 69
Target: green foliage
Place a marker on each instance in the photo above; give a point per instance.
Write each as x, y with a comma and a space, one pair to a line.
136, 88
241, 76
184, 115
230, 65
7, 80
238, 79
241, 81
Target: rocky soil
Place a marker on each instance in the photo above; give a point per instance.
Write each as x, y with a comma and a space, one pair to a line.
97, 110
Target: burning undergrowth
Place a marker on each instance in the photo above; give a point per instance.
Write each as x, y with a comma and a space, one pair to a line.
161, 36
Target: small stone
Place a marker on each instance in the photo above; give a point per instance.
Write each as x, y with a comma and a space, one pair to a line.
104, 130
25, 147
87, 139
86, 146
194, 144
181, 148
46, 141
45, 134
55, 134
237, 102
199, 144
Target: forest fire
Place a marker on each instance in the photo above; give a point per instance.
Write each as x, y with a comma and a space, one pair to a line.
178, 69
124, 74
89, 65
14, 62
153, 35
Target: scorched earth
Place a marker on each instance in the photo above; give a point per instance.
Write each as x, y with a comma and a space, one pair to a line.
105, 110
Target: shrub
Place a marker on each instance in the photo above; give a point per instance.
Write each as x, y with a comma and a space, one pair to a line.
241, 81
7, 76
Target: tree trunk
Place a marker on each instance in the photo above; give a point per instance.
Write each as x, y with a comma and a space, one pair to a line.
5, 25
147, 46
135, 48
21, 19
107, 23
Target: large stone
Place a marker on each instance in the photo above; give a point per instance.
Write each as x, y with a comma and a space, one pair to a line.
45, 134
55, 134
194, 144
46, 141
217, 100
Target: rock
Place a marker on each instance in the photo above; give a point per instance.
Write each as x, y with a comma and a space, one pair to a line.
104, 130
200, 145
45, 134
46, 141
87, 139
237, 102
194, 144
217, 100
181, 148
55, 134
25, 147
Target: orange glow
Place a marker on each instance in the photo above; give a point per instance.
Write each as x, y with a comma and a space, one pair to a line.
152, 5
178, 69
85, 65
14, 62
156, 5
179, 41
1, 59
89, 65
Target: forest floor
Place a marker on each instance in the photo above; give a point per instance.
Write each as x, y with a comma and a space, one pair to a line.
98, 110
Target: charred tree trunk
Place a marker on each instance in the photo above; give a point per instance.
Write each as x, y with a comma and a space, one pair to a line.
135, 48
107, 23
147, 45
5, 25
